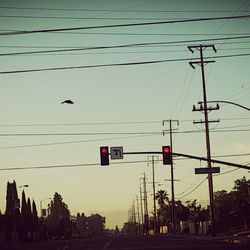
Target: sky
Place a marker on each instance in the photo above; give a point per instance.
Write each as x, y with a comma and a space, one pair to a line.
119, 105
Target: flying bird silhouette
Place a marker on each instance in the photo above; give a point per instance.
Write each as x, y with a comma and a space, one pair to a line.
68, 102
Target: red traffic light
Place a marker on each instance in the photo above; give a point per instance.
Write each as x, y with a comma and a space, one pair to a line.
166, 149
104, 154
166, 155
104, 150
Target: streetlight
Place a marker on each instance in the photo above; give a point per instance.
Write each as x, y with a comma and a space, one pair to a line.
227, 102
26, 185
41, 209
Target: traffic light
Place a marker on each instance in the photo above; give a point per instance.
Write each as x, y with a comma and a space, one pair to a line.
104, 153
166, 155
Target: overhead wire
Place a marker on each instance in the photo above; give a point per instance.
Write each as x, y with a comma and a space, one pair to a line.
73, 142
89, 18
121, 133
25, 32
85, 165
123, 10
167, 44
184, 195
108, 123
117, 64
124, 46
69, 165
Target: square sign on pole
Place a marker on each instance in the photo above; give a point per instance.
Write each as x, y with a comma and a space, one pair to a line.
116, 153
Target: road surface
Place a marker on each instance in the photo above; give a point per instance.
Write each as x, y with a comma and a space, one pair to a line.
130, 243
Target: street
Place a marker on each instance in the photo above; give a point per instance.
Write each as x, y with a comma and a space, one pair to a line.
129, 243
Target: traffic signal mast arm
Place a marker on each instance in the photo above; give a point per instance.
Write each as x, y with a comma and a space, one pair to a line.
193, 157
104, 152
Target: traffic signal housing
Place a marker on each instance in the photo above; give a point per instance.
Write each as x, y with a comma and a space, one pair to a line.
166, 155
104, 154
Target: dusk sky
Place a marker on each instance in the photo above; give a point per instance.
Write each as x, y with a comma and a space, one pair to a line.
117, 104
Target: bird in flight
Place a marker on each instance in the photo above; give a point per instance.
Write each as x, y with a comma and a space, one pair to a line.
68, 102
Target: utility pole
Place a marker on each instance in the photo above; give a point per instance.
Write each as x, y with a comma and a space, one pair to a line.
152, 158
145, 204
142, 220
172, 170
138, 215
201, 63
134, 217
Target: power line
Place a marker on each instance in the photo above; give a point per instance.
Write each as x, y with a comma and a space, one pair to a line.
24, 32
212, 131
123, 52
124, 10
88, 18
84, 134
82, 165
148, 34
227, 172
122, 133
123, 46
106, 123
169, 44
82, 124
182, 196
117, 64
73, 142
68, 166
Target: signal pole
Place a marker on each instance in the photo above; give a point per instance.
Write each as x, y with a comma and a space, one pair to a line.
172, 170
201, 63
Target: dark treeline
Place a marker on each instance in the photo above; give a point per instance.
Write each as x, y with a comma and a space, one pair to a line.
231, 213
20, 221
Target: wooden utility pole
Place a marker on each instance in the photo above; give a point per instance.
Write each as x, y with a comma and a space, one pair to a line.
201, 63
146, 224
142, 219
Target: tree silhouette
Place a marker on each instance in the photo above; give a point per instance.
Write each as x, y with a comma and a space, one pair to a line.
35, 216
162, 197
58, 220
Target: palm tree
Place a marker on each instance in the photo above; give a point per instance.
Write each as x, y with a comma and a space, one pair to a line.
163, 211
162, 197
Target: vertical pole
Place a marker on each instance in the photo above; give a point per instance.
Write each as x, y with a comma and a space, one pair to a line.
155, 217
134, 216
172, 172
142, 220
138, 215
172, 179
210, 178
145, 205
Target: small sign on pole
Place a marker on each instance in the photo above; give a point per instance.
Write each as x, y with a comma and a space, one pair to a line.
116, 153
212, 170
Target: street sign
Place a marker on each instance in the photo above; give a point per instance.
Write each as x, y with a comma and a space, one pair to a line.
212, 170
116, 153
